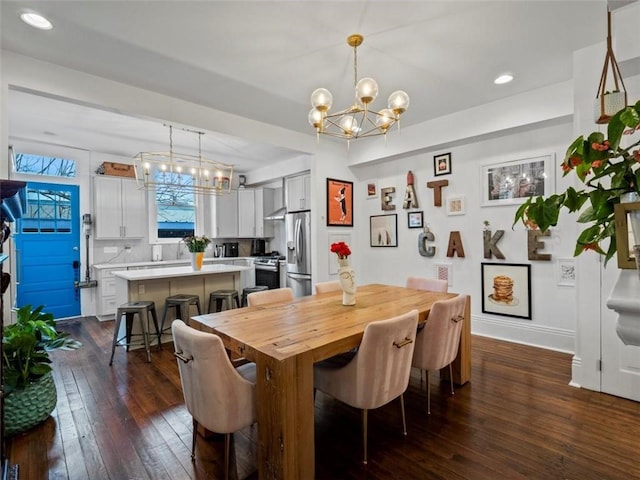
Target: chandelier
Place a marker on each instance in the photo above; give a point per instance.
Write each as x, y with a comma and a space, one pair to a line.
179, 171
357, 121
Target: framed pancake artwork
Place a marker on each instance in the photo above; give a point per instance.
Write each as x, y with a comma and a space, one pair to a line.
506, 289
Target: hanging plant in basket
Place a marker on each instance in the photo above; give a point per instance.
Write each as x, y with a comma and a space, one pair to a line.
30, 393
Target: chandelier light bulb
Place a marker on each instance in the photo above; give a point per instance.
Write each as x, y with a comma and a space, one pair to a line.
385, 119
321, 99
398, 102
193, 171
163, 167
367, 90
179, 169
315, 118
349, 125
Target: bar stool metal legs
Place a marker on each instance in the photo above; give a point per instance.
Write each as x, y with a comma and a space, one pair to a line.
227, 296
129, 311
181, 303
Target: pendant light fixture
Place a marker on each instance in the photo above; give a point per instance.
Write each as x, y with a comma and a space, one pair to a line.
608, 102
359, 120
173, 170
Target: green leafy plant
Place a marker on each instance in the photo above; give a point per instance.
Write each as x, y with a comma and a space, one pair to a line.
26, 346
196, 244
593, 159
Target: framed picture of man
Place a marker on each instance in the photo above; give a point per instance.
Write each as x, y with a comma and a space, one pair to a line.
339, 203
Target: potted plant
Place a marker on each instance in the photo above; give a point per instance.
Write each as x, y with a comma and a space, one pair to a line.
609, 172
29, 390
196, 246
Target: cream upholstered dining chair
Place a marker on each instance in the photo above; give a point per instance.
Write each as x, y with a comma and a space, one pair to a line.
431, 284
218, 396
438, 342
275, 295
377, 373
325, 287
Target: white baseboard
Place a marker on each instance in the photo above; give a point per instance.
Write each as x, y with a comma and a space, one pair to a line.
524, 332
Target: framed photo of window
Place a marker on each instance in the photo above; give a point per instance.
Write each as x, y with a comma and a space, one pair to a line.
512, 182
339, 203
415, 219
383, 230
506, 289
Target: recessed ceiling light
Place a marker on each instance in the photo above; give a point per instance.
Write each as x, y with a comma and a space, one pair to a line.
36, 20
502, 79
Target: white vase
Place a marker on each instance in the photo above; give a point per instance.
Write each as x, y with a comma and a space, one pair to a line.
196, 260
347, 281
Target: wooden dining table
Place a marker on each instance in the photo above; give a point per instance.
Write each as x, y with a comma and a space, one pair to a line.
286, 339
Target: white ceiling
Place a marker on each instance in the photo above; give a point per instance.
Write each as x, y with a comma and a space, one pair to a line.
262, 59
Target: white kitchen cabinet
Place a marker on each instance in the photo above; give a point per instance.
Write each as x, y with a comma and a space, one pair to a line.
120, 208
224, 215
107, 303
298, 192
253, 205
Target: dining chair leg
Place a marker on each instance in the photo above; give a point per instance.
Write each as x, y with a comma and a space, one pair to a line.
404, 419
227, 441
428, 395
194, 435
364, 434
451, 379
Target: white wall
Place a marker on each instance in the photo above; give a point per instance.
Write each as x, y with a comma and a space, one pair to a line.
553, 312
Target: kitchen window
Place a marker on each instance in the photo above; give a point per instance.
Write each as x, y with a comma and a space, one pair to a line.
43, 165
173, 212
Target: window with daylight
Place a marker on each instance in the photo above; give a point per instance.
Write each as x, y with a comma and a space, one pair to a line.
176, 208
43, 165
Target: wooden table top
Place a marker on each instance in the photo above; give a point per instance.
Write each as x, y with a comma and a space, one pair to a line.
317, 323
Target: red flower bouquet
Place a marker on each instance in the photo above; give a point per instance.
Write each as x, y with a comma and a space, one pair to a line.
341, 249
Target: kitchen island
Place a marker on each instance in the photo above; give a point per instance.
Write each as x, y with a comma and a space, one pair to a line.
156, 284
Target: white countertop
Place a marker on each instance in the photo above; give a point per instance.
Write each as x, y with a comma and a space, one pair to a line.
187, 271
168, 263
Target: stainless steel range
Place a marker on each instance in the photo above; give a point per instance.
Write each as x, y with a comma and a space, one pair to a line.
268, 270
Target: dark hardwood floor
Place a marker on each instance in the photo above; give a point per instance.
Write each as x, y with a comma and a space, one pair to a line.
517, 419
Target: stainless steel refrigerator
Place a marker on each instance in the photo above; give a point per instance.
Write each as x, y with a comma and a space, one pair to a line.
298, 236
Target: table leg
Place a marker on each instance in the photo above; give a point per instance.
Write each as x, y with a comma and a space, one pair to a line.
285, 417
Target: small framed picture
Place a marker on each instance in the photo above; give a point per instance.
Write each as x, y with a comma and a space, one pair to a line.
506, 289
339, 203
566, 272
456, 205
414, 219
444, 272
383, 230
372, 189
442, 164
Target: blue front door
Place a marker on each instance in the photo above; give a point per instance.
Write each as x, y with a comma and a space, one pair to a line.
48, 249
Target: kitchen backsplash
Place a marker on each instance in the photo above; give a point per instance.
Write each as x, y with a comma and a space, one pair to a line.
119, 251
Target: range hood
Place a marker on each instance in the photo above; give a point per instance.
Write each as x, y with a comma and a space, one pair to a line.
277, 214
280, 212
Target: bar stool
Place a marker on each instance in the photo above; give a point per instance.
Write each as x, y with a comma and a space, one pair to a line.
181, 303
129, 311
228, 296
248, 290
